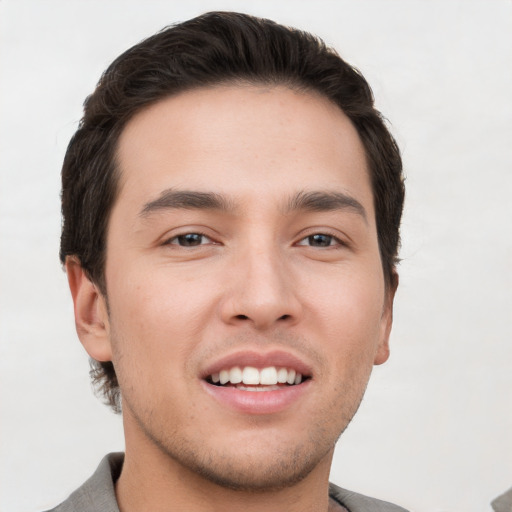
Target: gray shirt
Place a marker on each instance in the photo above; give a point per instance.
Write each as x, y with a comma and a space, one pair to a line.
503, 503
98, 494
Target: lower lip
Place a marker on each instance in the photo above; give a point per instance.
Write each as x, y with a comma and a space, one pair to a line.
257, 402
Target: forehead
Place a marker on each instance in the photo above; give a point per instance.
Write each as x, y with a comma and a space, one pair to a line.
241, 141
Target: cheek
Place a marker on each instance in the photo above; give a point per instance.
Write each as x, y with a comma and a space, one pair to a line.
156, 317
156, 294
350, 313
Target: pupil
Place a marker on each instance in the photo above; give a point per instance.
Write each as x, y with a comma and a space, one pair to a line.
320, 240
190, 239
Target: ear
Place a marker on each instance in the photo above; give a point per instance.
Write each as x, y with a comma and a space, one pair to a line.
382, 353
91, 315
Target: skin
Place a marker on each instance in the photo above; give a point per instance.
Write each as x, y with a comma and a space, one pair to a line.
256, 281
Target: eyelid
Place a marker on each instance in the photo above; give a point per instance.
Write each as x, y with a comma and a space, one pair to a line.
341, 241
337, 241
171, 239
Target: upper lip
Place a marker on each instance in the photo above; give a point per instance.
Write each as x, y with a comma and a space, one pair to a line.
277, 358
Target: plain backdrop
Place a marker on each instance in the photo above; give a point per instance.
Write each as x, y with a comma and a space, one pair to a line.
434, 432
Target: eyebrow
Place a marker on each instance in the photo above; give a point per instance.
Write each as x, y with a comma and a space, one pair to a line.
187, 200
315, 201
324, 201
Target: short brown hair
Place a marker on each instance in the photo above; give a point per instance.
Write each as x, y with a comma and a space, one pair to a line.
215, 48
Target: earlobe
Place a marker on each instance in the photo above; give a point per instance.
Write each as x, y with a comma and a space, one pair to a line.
91, 316
382, 353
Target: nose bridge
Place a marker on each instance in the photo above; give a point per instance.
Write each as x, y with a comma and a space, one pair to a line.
263, 290
265, 274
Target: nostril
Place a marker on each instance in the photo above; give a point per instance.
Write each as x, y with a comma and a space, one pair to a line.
279, 319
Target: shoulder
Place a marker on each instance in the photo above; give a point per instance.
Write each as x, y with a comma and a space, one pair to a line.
355, 502
98, 493
503, 503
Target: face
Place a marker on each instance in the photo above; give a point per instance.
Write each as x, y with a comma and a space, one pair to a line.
242, 248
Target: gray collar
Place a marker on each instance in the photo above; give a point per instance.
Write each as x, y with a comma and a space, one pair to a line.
98, 493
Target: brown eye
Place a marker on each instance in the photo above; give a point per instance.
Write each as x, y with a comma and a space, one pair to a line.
320, 240
189, 240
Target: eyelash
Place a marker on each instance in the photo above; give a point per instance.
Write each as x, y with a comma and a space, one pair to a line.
176, 238
333, 238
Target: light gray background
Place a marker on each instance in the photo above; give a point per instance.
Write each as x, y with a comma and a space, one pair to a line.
434, 432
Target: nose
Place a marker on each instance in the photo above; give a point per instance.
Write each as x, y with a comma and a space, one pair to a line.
261, 291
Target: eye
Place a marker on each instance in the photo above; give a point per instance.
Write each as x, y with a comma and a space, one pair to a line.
190, 240
320, 240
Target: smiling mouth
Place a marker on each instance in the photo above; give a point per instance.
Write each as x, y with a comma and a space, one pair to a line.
249, 378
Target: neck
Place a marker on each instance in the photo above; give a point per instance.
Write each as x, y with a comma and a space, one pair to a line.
151, 480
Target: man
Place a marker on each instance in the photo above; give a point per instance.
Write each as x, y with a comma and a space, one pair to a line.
231, 206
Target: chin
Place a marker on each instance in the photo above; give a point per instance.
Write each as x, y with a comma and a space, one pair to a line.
259, 472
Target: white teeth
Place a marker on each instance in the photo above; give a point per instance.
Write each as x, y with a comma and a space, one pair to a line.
291, 377
235, 375
268, 376
282, 375
224, 376
250, 376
